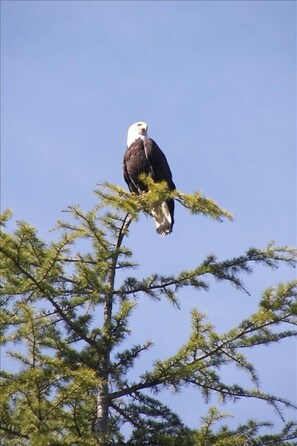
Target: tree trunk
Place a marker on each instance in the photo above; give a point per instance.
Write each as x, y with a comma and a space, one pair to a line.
101, 424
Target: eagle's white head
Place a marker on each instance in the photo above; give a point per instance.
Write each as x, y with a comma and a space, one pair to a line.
135, 131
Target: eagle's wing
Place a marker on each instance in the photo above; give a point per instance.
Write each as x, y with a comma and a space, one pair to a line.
134, 164
130, 184
159, 167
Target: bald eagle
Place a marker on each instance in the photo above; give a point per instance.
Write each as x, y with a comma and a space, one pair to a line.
144, 156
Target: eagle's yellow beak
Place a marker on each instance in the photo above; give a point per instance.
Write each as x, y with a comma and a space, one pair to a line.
143, 126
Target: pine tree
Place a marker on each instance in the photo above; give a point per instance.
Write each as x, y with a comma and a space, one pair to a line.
64, 319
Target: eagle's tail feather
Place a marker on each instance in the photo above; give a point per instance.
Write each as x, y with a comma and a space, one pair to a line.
163, 219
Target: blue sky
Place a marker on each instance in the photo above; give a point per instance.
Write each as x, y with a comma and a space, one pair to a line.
216, 82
